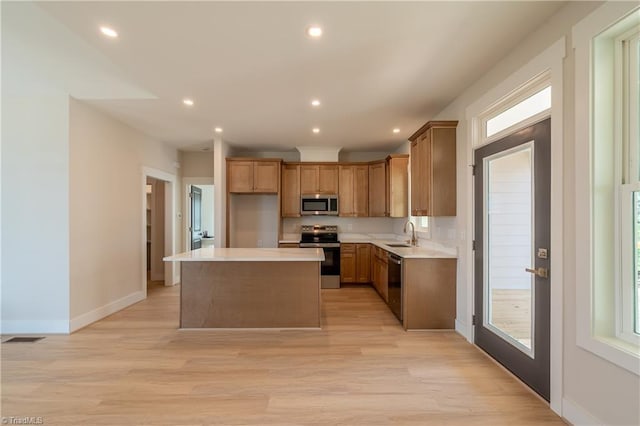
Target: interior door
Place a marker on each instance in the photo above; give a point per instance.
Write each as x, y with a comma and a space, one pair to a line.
196, 217
512, 237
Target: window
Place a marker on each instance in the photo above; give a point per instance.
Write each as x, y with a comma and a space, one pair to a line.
608, 184
628, 93
529, 104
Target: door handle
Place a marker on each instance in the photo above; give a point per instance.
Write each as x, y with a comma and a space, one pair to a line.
540, 272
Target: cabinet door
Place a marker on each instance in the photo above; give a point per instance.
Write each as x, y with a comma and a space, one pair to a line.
363, 263
397, 177
377, 190
420, 175
443, 172
384, 279
327, 179
361, 191
266, 176
345, 195
347, 263
240, 176
309, 179
290, 191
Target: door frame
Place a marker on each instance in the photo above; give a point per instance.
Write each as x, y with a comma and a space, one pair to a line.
186, 207
549, 61
170, 272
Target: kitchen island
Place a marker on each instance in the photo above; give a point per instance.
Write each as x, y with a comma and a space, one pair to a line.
250, 287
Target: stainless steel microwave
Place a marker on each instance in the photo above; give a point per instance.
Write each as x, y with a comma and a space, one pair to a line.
319, 204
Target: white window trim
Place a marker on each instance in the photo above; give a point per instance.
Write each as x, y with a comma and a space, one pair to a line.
610, 348
550, 60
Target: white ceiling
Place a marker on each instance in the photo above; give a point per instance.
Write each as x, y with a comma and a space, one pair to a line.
250, 68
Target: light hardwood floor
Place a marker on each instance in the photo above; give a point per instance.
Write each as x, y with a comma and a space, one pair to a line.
135, 367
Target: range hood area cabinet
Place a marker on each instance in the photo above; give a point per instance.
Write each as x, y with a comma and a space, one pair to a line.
433, 169
247, 176
318, 179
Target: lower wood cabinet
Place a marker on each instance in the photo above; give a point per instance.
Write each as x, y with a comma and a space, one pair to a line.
379, 265
429, 293
355, 263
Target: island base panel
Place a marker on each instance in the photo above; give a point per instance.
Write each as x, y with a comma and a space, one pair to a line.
250, 294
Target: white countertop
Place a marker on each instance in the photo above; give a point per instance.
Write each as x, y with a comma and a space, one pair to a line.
425, 249
211, 254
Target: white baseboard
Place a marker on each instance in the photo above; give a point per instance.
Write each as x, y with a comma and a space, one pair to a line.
576, 415
462, 329
35, 327
97, 314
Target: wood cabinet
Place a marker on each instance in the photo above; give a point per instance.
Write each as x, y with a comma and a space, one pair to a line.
397, 186
433, 169
319, 179
288, 245
355, 263
353, 191
389, 187
429, 293
290, 190
379, 265
347, 263
363, 263
253, 176
378, 189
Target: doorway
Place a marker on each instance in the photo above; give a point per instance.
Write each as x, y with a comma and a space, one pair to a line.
158, 224
199, 213
512, 257
155, 232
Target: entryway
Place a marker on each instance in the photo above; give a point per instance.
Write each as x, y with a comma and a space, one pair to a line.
512, 257
158, 223
199, 214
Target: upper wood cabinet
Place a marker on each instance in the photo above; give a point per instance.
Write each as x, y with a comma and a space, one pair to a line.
433, 169
318, 179
377, 189
353, 191
389, 187
253, 176
290, 190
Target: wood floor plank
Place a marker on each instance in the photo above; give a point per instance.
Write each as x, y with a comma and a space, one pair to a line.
361, 368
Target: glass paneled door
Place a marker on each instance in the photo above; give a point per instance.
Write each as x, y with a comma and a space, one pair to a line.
512, 219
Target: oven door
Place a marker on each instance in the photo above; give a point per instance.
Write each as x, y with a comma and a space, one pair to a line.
331, 264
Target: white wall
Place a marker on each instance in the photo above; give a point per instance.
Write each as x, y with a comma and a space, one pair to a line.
594, 390
196, 163
207, 208
253, 220
35, 214
106, 198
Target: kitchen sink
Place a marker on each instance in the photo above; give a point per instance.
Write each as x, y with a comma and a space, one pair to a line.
398, 245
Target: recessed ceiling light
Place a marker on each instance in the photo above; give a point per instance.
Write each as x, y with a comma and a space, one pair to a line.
396, 130
314, 31
315, 130
218, 130
109, 32
187, 102
315, 102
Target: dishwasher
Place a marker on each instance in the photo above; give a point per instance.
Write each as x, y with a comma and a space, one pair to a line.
394, 283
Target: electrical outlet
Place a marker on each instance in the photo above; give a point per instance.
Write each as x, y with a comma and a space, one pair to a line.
259, 243
349, 227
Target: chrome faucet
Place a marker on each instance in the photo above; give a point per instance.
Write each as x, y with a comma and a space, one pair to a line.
414, 240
